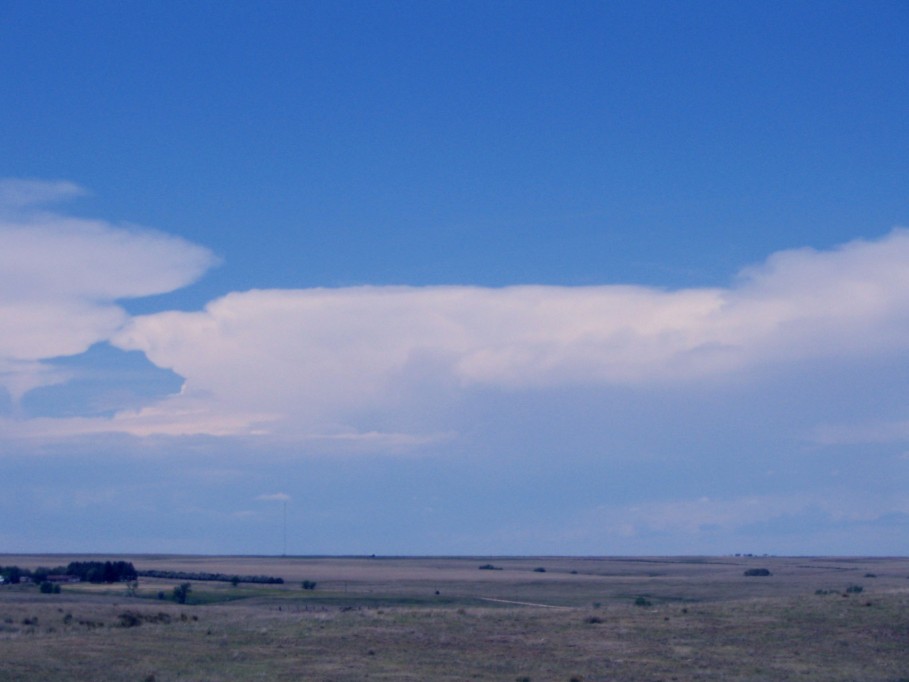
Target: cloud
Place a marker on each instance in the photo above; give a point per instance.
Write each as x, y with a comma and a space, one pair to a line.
385, 367
274, 497
306, 361
866, 433
842, 520
17, 194
60, 278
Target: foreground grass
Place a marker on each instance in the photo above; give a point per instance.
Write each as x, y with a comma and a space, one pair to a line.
375, 629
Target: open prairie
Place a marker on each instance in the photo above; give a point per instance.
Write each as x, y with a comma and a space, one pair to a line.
437, 618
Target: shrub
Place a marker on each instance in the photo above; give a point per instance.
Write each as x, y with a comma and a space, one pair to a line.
49, 588
489, 567
854, 589
757, 572
539, 569
642, 601
130, 619
308, 584
181, 593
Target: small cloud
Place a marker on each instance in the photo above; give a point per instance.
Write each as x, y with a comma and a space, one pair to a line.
861, 434
274, 497
17, 193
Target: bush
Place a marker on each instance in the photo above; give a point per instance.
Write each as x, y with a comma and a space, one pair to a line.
757, 572
539, 569
642, 601
308, 584
854, 589
130, 619
181, 593
49, 588
489, 567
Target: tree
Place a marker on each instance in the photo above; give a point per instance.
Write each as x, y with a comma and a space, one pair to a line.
12, 574
181, 592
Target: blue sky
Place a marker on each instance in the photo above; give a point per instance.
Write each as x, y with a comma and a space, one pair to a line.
504, 277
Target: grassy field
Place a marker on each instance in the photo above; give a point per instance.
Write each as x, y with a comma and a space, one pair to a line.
540, 618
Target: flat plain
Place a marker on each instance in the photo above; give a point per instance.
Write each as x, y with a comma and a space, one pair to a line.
446, 618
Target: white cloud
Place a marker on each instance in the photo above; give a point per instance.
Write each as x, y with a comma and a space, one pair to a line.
877, 431
60, 278
790, 523
326, 364
274, 497
307, 360
17, 194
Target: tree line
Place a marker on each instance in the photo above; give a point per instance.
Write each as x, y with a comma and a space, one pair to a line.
202, 576
86, 571
121, 571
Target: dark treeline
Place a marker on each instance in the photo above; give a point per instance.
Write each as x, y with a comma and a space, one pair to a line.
223, 577
14, 574
86, 571
102, 571
120, 571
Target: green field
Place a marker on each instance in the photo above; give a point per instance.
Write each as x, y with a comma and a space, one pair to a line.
539, 618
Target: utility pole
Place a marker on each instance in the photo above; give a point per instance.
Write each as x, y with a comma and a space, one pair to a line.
284, 546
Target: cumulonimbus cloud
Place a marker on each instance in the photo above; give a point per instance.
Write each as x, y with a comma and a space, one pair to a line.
306, 363
283, 359
60, 277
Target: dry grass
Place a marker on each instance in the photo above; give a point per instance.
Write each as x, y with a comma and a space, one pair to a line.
381, 619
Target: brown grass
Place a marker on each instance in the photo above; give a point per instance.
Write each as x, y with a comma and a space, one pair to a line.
382, 619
